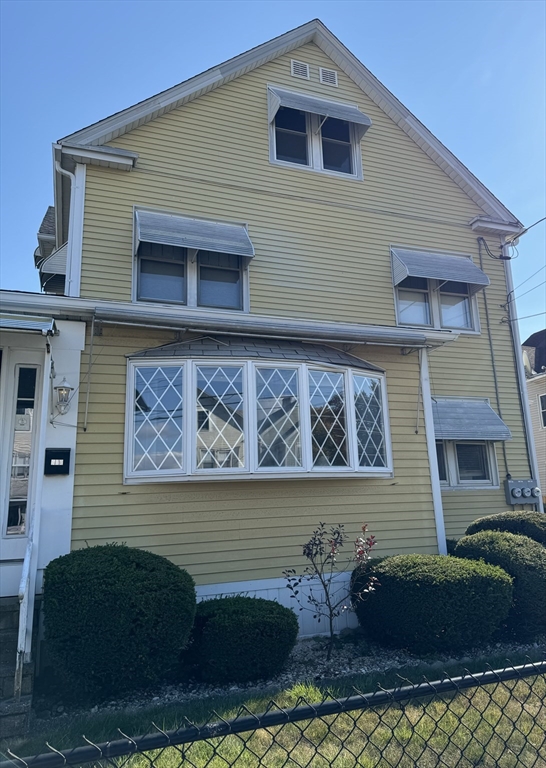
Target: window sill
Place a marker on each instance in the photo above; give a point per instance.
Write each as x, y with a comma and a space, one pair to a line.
450, 488
174, 307
440, 329
246, 476
333, 174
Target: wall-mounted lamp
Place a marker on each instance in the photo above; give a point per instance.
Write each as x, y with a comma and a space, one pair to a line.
63, 391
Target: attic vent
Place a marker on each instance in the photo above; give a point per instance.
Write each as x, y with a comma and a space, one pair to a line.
299, 69
328, 76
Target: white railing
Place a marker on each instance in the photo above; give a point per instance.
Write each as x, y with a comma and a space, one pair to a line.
24, 599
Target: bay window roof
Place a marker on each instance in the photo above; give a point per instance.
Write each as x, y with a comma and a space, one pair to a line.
188, 232
466, 419
261, 349
460, 269
278, 97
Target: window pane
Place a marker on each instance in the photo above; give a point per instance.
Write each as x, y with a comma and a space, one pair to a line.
455, 311
472, 462
291, 120
369, 422
454, 287
543, 409
157, 443
161, 281
21, 451
440, 455
413, 307
291, 147
328, 427
219, 288
336, 129
278, 415
220, 393
337, 156
161, 252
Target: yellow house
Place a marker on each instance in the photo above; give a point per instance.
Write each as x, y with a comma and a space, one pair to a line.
271, 297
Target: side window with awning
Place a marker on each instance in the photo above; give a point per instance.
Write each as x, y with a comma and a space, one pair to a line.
436, 290
197, 262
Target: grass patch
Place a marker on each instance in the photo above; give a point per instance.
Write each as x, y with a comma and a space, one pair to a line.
66, 732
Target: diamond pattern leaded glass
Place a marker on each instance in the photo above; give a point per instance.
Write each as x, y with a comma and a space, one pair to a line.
279, 441
220, 442
369, 422
328, 425
157, 419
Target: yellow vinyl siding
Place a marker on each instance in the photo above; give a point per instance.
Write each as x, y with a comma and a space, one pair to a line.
248, 529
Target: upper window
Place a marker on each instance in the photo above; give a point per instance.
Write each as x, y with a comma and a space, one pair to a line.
165, 274
316, 133
196, 418
542, 407
437, 304
323, 143
466, 464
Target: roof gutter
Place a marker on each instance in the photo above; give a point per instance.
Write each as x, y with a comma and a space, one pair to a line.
205, 321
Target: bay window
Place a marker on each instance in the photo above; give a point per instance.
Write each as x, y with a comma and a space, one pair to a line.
198, 418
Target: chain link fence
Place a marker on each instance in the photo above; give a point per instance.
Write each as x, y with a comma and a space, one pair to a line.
494, 719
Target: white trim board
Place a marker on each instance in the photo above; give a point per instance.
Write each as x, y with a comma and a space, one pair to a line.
316, 32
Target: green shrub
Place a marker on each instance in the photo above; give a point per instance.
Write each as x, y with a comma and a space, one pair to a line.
116, 618
525, 560
531, 524
238, 639
434, 602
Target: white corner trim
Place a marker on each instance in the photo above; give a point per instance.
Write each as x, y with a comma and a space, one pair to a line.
432, 457
75, 233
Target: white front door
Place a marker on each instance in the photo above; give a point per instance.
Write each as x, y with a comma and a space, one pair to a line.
20, 408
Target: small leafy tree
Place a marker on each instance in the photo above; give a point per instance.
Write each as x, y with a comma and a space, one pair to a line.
321, 596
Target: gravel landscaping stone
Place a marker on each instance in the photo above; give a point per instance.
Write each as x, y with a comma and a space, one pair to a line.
353, 655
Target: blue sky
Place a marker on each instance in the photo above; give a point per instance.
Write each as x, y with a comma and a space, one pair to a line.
472, 71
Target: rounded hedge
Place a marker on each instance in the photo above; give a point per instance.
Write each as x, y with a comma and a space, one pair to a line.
531, 524
433, 602
116, 618
525, 560
239, 639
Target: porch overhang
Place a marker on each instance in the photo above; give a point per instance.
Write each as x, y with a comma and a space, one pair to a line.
28, 324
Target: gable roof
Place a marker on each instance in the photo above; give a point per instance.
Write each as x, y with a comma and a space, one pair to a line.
313, 32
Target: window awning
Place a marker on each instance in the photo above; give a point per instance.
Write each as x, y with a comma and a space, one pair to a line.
186, 232
278, 97
28, 323
55, 264
466, 419
461, 269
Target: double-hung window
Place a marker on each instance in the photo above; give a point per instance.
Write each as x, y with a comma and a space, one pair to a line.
542, 409
197, 262
197, 418
315, 133
436, 290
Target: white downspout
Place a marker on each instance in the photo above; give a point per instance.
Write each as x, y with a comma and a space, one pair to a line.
520, 371
69, 255
432, 456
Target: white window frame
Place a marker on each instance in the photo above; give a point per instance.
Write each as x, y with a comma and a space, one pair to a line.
541, 411
453, 482
250, 470
314, 150
191, 276
434, 287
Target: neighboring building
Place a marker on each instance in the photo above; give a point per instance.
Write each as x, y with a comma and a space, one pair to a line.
266, 287
534, 356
